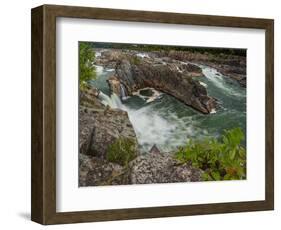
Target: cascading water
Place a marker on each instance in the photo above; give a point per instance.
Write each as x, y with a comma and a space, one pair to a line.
123, 92
228, 88
113, 101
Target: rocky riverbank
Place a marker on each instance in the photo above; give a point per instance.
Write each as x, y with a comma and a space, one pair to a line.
100, 127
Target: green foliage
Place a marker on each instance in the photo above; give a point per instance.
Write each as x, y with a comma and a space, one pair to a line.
122, 151
135, 60
221, 159
148, 48
86, 67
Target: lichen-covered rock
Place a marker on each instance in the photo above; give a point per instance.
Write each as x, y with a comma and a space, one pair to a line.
145, 169
161, 168
100, 125
100, 128
89, 98
94, 171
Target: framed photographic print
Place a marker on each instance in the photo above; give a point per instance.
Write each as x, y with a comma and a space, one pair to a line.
141, 114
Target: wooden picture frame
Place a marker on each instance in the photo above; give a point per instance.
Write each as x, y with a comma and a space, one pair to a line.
43, 202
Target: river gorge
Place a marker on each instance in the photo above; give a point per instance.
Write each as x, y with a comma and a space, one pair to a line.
160, 101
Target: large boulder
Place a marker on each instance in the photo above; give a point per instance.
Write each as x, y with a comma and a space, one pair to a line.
135, 75
88, 97
101, 128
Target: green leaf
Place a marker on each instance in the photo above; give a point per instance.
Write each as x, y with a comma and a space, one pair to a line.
232, 154
216, 175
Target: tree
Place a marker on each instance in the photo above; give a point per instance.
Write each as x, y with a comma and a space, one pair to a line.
87, 70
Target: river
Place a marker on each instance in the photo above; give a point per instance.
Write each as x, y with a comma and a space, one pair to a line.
162, 120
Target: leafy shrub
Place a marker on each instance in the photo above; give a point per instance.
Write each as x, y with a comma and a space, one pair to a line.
122, 151
86, 68
221, 159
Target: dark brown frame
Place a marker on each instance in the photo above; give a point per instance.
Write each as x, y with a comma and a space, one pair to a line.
43, 188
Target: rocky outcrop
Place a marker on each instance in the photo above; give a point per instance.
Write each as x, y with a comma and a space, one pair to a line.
145, 169
114, 85
232, 66
100, 126
135, 75
161, 168
94, 171
89, 98
99, 129
108, 58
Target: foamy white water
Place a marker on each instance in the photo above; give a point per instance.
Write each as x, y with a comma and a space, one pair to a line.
219, 81
142, 55
113, 101
151, 126
99, 69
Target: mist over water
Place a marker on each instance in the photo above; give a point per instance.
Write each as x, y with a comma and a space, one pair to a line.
162, 120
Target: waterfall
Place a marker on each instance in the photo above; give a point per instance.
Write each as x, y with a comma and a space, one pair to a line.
123, 92
116, 102
113, 101
104, 99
